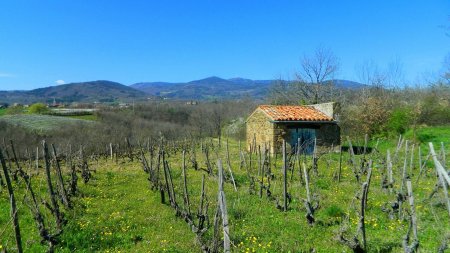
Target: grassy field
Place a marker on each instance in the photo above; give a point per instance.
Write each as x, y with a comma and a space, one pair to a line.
92, 117
2, 111
41, 123
117, 212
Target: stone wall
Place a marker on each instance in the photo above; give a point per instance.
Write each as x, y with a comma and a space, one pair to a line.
329, 109
260, 127
280, 133
328, 135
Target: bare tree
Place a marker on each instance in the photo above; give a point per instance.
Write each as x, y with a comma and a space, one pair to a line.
316, 74
369, 73
446, 72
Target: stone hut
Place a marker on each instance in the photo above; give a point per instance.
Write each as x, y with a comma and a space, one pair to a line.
300, 126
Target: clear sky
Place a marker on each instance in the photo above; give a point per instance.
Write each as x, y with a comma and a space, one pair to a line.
47, 42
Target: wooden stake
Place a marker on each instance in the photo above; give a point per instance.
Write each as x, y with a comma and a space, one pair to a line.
111, 151
444, 179
223, 210
284, 177
37, 158
340, 164
186, 193
389, 171
229, 166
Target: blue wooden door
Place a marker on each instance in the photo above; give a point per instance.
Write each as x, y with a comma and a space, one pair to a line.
303, 139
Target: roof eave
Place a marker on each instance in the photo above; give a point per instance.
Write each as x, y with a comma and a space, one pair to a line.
259, 109
305, 121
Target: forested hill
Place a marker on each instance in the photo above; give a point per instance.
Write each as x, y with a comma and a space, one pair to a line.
106, 91
216, 87
95, 91
208, 88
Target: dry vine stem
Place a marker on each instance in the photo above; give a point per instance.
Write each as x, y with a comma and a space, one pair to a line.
413, 224
12, 201
354, 243
54, 208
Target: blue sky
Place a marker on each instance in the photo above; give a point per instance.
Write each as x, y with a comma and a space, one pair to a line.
45, 42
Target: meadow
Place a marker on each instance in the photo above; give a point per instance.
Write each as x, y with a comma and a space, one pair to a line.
118, 211
2, 111
45, 123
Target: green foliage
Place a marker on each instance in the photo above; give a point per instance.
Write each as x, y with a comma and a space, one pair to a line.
425, 137
322, 184
14, 110
431, 134
38, 108
399, 120
368, 118
334, 211
435, 111
84, 117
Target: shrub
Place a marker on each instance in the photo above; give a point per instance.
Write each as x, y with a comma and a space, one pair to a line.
424, 137
399, 120
38, 108
334, 211
322, 184
12, 110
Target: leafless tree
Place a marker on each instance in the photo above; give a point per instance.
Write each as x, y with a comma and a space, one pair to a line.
371, 74
316, 74
313, 82
446, 66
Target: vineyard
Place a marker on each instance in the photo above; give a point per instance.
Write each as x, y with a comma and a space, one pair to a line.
211, 195
41, 123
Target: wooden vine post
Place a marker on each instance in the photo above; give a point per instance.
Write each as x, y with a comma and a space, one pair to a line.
285, 201
223, 210
444, 178
186, 193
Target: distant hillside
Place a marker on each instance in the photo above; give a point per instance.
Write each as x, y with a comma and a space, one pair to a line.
107, 91
95, 91
346, 84
208, 88
216, 87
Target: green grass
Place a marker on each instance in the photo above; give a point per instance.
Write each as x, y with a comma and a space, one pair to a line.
431, 134
116, 211
91, 117
40, 123
2, 111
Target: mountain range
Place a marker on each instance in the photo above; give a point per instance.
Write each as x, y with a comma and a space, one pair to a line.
95, 91
107, 91
208, 88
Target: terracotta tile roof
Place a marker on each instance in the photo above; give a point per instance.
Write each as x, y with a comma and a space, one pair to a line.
293, 113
